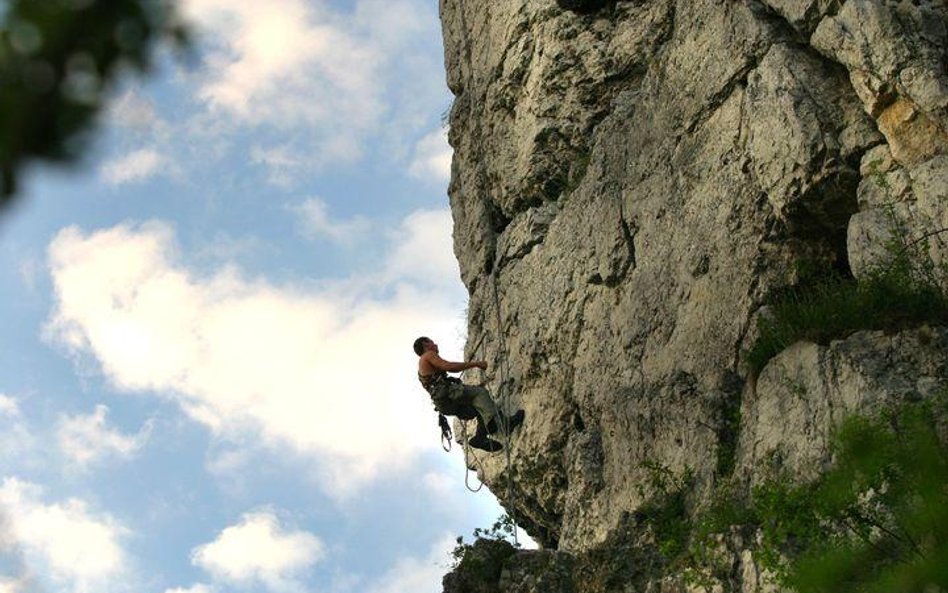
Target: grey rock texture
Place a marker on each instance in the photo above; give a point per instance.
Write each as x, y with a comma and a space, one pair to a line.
623, 562
905, 206
482, 568
634, 181
895, 55
808, 390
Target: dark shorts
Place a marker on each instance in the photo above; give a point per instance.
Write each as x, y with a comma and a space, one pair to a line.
463, 401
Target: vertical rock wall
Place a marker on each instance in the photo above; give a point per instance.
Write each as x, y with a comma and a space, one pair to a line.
633, 181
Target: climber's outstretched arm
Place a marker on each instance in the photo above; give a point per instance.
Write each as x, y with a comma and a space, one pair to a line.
438, 363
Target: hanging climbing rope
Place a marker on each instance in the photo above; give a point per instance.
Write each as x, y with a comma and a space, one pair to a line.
500, 393
502, 399
468, 450
468, 455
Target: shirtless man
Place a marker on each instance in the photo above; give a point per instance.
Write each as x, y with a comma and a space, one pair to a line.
453, 398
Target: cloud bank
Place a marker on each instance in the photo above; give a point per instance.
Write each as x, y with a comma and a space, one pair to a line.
292, 65
259, 549
136, 166
76, 548
327, 372
85, 439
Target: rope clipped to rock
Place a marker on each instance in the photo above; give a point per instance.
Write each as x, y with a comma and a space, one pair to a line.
501, 395
502, 401
468, 450
468, 455
502, 419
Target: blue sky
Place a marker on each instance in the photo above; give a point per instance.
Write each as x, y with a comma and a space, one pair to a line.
206, 383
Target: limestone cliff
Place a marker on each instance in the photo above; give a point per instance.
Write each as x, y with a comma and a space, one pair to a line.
634, 181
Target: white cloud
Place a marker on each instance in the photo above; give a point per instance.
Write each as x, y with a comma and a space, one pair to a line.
286, 62
8, 406
317, 77
132, 110
87, 438
424, 251
259, 549
76, 548
432, 160
144, 141
18, 446
135, 166
326, 371
197, 588
315, 222
414, 575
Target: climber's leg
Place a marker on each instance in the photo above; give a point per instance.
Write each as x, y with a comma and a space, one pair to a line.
481, 440
472, 401
480, 398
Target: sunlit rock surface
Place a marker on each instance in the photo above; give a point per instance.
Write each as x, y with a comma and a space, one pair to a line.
632, 183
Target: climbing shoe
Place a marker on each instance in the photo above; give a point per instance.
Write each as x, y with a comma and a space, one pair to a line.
483, 442
508, 425
515, 420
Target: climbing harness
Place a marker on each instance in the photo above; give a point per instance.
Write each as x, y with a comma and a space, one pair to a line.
445, 432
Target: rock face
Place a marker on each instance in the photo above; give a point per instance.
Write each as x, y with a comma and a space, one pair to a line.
808, 390
633, 182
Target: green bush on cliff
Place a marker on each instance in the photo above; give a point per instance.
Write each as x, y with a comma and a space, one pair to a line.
903, 293
503, 530
476, 567
665, 508
876, 522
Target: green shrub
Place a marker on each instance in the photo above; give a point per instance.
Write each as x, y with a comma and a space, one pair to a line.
503, 530
877, 521
902, 294
666, 509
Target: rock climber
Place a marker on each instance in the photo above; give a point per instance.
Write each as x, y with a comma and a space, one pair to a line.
453, 398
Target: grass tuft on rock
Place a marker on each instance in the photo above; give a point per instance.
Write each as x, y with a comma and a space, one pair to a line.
902, 294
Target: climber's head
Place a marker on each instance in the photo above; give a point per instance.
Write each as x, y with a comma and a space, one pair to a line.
424, 344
